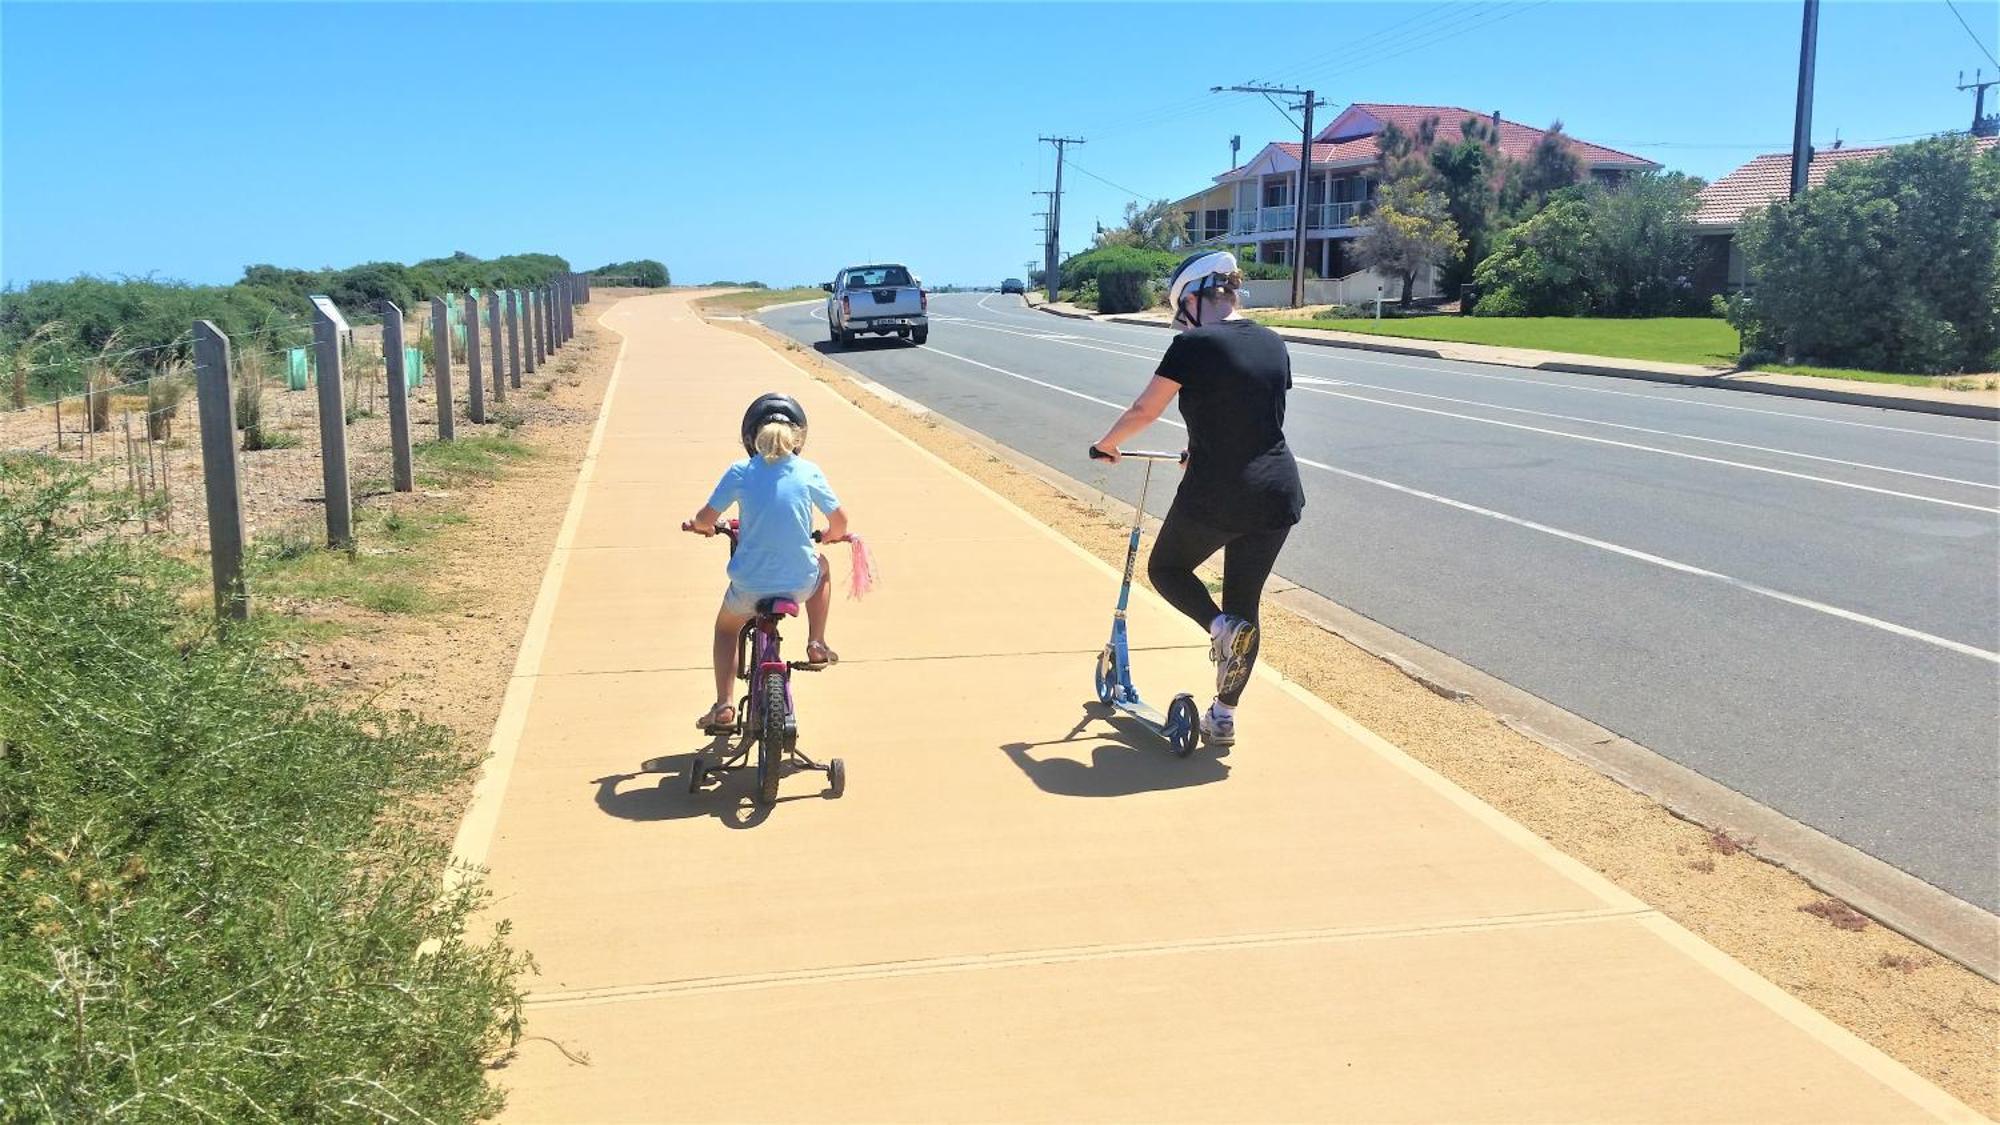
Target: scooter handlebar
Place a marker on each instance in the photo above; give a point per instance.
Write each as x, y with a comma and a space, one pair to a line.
1097, 454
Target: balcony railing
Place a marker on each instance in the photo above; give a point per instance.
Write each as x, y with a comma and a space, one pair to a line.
1319, 216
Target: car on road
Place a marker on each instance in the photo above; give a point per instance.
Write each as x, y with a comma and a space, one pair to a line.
878, 300
1014, 285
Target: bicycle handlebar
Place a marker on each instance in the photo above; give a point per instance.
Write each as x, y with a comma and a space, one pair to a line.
731, 528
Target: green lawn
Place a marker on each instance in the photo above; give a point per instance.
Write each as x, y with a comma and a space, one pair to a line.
750, 300
1671, 339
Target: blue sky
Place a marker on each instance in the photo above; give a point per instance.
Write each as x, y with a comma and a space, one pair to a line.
781, 142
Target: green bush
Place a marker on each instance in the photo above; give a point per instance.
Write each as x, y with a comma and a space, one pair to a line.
64, 324
1269, 271
1124, 289
1086, 267
1619, 251
1892, 264
644, 272
215, 895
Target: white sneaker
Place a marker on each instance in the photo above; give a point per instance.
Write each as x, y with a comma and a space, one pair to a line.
1230, 649
1218, 729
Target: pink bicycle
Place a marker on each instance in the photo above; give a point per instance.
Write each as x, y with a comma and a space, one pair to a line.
766, 717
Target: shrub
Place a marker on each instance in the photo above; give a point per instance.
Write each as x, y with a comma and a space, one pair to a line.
1268, 271
1891, 264
644, 272
1619, 251
1086, 267
1123, 289
216, 898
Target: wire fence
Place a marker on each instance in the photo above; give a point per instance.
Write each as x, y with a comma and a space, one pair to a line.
303, 437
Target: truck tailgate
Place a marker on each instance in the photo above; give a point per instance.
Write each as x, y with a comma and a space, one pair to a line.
892, 300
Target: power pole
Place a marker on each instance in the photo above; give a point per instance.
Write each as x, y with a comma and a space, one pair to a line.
1802, 122
1307, 102
1982, 125
1048, 249
1054, 265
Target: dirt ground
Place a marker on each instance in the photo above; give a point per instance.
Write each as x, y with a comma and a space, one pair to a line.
1935, 1016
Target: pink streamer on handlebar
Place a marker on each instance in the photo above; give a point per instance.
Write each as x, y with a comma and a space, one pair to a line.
862, 577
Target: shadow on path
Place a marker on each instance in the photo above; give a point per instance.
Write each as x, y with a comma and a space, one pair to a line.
1126, 760
728, 797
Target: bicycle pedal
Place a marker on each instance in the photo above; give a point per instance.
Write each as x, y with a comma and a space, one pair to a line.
808, 666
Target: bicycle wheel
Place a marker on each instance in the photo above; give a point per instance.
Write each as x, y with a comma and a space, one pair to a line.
771, 738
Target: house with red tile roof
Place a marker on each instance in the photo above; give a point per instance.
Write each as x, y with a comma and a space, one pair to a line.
1251, 205
1723, 205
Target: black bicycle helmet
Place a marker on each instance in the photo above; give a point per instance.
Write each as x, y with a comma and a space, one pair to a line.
772, 407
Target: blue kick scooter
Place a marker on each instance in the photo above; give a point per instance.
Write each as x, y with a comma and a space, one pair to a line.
1181, 725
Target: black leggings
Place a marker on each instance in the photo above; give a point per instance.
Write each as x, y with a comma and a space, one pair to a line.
1247, 559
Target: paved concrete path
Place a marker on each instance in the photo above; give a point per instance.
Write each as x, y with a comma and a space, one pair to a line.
1019, 911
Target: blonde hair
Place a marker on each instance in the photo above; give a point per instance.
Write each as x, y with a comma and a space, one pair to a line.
777, 440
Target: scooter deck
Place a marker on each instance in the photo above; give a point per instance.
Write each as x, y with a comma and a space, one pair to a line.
1145, 713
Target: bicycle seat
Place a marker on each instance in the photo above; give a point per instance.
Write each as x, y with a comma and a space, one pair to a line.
777, 607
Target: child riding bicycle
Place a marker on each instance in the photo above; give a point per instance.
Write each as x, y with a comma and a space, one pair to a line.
776, 491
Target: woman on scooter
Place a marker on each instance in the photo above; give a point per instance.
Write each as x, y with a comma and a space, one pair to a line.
1241, 493
776, 491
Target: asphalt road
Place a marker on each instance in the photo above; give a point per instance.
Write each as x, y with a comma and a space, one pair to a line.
1799, 600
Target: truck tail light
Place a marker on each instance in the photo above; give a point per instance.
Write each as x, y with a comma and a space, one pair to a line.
844, 307
924, 300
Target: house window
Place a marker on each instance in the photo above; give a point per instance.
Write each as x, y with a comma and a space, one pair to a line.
1275, 192
1218, 222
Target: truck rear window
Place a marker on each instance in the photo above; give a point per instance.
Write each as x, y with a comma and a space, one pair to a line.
876, 277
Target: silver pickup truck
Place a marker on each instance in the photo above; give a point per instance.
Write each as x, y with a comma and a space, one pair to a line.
881, 300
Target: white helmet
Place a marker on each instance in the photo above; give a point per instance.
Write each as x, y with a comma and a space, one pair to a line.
1198, 273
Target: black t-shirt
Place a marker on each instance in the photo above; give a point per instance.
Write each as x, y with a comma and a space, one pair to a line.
1240, 473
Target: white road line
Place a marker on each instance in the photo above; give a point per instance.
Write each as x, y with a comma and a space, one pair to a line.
1670, 564
1568, 536
1307, 383
1745, 465
1310, 383
1526, 378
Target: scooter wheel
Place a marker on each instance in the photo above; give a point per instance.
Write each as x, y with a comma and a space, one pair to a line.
1107, 677
836, 778
1183, 725
697, 773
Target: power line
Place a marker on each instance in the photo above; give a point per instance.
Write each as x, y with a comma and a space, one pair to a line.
1105, 182
1969, 32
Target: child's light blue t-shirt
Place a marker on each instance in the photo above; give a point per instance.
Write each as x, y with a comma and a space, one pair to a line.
774, 549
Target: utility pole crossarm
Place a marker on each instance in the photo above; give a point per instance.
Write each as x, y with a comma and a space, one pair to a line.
1308, 101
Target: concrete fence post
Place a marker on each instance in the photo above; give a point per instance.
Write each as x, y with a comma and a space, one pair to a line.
546, 295
332, 426
221, 479
402, 472
531, 332
499, 363
441, 365
541, 323
475, 379
514, 338
569, 307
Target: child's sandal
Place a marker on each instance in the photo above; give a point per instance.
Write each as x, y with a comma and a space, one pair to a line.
818, 653
714, 721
